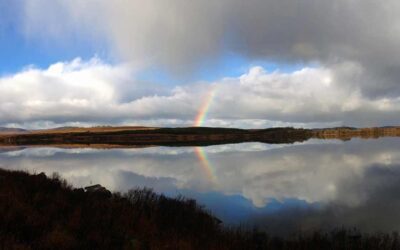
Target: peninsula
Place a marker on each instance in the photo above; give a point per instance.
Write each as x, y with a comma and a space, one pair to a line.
188, 136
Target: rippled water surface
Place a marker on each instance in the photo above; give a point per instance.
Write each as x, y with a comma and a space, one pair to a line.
282, 188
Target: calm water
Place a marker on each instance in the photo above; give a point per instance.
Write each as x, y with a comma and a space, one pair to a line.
282, 188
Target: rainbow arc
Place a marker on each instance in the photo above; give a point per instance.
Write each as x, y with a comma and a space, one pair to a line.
205, 107
200, 152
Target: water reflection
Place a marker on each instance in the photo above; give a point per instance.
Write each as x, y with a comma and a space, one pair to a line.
317, 184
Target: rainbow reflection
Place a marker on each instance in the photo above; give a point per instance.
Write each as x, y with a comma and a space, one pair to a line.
205, 163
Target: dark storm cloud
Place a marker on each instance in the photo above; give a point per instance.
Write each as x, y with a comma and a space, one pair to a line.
178, 34
349, 50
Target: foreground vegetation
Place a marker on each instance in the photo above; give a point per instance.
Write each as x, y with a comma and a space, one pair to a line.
38, 212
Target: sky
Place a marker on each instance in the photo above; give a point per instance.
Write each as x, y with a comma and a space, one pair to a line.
250, 64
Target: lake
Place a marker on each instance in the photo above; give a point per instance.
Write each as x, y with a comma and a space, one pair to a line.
285, 188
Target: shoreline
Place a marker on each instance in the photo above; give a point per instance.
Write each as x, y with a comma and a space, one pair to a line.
122, 137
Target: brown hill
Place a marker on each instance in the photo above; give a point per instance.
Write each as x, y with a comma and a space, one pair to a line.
106, 137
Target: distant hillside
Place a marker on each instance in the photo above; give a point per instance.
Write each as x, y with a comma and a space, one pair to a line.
12, 130
106, 137
128, 136
92, 129
347, 133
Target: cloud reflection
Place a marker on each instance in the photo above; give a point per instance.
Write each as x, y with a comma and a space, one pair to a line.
301, 186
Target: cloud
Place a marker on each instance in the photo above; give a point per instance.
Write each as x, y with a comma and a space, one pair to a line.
94, 92
181, 35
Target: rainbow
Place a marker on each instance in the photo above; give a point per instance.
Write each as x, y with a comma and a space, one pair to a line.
199, 121
205, 163
202, 114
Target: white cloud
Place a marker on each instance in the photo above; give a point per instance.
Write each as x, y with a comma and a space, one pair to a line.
353, 45
182, 35
94, 92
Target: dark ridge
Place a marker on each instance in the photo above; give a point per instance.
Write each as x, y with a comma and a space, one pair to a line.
191, 136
